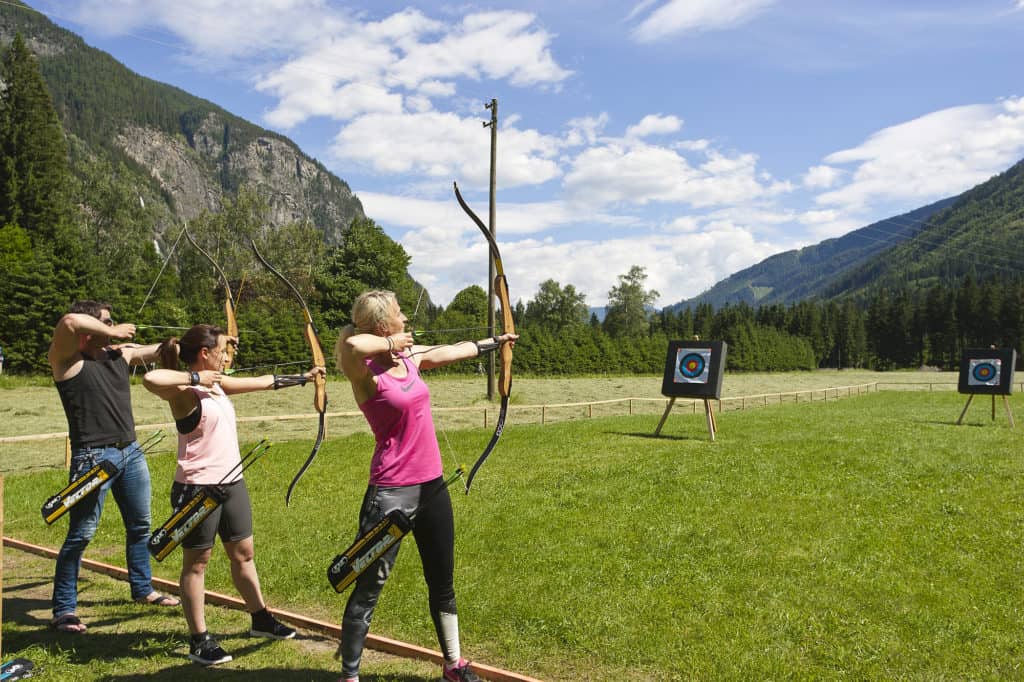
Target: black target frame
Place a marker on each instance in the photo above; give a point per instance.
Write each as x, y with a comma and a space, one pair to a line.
975, 362
709, 387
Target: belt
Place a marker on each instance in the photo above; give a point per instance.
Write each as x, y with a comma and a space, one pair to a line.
120, 445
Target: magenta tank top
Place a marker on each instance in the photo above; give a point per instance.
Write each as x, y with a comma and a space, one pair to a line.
208, 453
399, 415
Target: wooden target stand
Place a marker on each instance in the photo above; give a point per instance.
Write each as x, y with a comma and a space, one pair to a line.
1006, 403
709, 415
987, 371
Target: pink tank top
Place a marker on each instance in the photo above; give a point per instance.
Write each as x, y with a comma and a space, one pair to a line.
208, 453
399, 415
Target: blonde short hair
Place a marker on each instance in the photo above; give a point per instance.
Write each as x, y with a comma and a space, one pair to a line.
371, 308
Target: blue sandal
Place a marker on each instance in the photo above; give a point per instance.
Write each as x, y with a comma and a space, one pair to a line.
69, 623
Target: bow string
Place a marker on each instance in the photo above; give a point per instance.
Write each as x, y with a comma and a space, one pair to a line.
229, 306
319, 382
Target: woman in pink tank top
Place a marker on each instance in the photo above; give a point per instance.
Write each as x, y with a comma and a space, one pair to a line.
383, 366
208, 455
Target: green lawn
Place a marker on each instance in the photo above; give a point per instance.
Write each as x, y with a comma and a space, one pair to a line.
865, 538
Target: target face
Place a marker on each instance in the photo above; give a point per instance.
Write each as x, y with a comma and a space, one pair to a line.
692, 365
984, 372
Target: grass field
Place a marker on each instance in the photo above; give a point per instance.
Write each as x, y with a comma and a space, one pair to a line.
864, 538
29, 407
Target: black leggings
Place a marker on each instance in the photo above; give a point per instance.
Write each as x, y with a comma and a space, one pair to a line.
434, 530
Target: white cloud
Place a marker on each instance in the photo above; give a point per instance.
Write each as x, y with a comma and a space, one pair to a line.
408, 54
586, 129
683, 224
937, 155
829, 223
640, 173
448, 253
654, 124
683, 16
445, 146
678, 267
467, 50
821, 177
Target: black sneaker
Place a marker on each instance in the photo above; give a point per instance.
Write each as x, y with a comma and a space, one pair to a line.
207, 652
277, 630
460, 674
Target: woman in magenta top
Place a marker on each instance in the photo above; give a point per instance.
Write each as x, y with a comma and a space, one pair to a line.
208, 455
382, 363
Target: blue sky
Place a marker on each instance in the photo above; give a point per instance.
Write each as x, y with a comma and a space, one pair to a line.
691, 137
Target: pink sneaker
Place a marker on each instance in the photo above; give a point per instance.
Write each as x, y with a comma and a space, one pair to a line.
460, 673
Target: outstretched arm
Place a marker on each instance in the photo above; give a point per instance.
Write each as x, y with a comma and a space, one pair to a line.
233, 385
430, 357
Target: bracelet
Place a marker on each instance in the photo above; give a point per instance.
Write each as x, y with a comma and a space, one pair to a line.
479, 351
391, 344
193, 378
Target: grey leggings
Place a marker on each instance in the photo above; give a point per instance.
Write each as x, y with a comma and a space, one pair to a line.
434, 530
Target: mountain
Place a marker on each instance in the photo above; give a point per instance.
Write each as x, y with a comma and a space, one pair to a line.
192, 153
978, 233
804, 273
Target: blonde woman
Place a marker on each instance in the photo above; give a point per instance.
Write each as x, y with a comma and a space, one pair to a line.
383, 363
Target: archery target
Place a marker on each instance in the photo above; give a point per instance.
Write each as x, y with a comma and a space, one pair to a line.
984, 372
987, 371
692, 365
693, 369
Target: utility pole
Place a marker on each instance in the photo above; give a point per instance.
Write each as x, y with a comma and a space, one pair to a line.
492, 225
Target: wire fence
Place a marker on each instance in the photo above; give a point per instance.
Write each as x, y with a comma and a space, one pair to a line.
285, 427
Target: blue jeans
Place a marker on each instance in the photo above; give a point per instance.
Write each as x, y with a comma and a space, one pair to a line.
132, 492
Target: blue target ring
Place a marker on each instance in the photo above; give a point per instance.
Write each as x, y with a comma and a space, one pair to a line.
984, 371
691, 365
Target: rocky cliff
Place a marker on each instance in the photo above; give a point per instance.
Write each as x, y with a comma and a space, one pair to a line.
194, 153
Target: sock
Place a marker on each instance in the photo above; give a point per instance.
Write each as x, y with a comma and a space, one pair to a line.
448, 629
262, 620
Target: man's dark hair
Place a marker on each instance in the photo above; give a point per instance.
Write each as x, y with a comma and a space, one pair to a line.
93, 308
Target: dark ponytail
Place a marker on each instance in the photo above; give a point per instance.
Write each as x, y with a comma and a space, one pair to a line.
168, 353
174, 351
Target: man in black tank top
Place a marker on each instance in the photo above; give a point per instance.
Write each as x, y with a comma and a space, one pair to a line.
92, 379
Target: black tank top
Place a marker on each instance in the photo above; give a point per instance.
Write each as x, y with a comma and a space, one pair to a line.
98, 402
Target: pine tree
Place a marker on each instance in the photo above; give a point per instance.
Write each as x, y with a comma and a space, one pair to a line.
32, 145
45, 271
